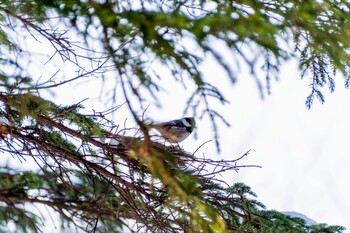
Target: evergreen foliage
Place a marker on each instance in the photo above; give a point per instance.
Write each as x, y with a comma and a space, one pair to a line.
139, 183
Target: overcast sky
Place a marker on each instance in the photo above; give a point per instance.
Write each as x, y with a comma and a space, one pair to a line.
303, 153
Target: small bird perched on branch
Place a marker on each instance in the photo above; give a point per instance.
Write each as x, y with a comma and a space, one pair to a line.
176, 131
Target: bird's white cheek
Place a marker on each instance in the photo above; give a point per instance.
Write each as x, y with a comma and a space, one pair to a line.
185, 123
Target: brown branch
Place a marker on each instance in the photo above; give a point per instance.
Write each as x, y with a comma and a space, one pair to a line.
62, 42
82, 206
78, 160
87, 73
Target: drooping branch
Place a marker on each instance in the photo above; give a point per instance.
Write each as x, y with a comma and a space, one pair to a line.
126, 169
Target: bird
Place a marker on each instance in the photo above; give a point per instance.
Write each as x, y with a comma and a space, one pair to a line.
176, 131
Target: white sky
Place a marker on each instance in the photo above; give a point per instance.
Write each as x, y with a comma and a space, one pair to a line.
303, 153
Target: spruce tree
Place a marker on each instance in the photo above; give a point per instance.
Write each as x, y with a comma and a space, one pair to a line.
139, 183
